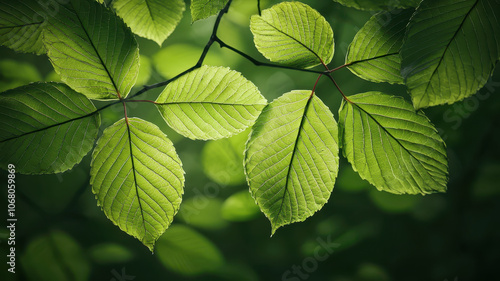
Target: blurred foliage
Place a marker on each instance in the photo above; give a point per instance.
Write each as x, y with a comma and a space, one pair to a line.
377, 236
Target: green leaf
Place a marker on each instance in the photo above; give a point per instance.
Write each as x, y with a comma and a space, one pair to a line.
55, 256
45, 128
372, 5
21, 25
185, 251
202, 9
240, 207
374, 53
221, 159
203, 212
210, 103
92, 49
152, 19
390, 145
450, 50
137, 178
293, 34
291, 160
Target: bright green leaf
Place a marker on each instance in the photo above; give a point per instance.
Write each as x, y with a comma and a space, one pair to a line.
137, 178
390, 145
185, 251
240, 207
152, 19
293, 34
45, 128
92, 49
374, 5
21, 25
450, 50
291, 160
202, 9
221, 159
55, 256
210, 103
374, 53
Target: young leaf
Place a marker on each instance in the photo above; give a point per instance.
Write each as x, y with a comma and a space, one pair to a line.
390, 145
152, 19
185, 251
92, 50
202, 9
210, 103
21, 24
291, 160
374, 53
450, 50
45, 128
137, 178
293, 34
372, 5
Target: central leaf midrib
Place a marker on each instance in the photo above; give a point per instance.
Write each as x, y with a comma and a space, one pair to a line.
287, 178
97, 53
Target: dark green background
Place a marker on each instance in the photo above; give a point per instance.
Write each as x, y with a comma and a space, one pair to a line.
379, 236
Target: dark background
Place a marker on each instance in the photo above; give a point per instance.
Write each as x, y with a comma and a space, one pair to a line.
62, 234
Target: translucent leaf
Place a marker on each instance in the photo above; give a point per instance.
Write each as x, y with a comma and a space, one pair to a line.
137, 178
92, 49
152, 19
55, 256
185, 251
210, 103
374, 53
240, 207
222, 159
372, 5
293, 34
21, 25
390, 145
45, 128
202, 9
450, 50
291, 160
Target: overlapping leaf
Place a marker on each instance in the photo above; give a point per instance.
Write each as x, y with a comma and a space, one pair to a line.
21, 25
202, 9
390, 145
372, 5
210, 103
293, 34
291, 160
137, 178
92, 50
374, 53
45, 128
450, 50
152, 19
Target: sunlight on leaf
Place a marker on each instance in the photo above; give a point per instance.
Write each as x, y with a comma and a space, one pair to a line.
210, 103
293, 34
42, 130
291, 160
137, 178
93, 50
202, 9
456, 59
391, 145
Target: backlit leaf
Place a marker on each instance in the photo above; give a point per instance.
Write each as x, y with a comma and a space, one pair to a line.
137, 178
375, 5
152, 19
92, 49
293, 34
45, 128
291, 160
210, 103
450, 50
391, 145
202, 9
